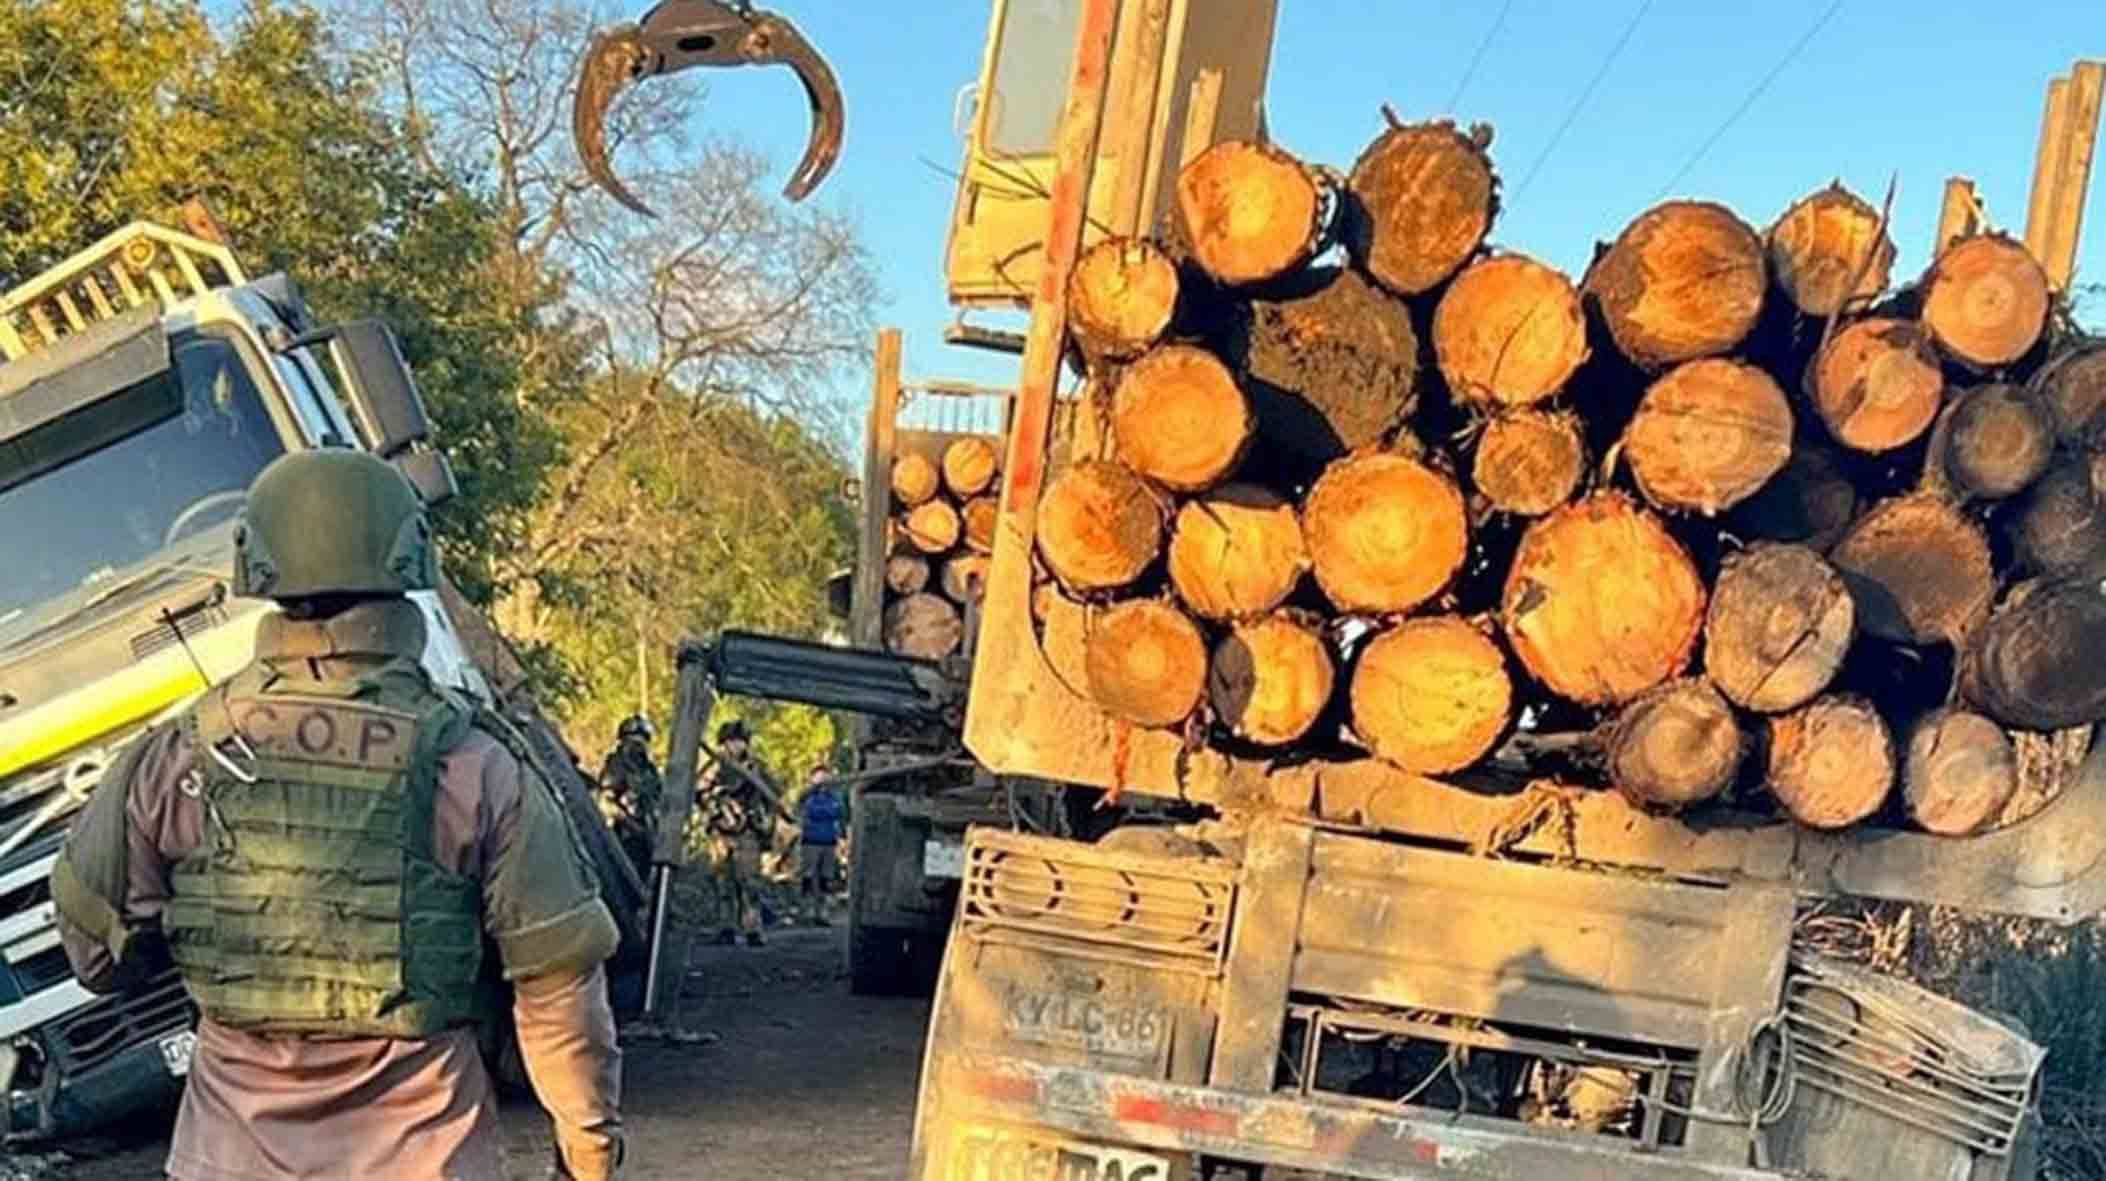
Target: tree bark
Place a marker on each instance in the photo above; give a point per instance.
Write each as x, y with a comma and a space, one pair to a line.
1780, 622
906, 574
1832, 763
1919, 569
1179, 419
924, 626
1121, 298
979, 515
1249, 212
1960, 772
1236, 553
2061, 525
915, 480
1810, 502
2035, 665
1529, 462
969, 466
965, 578
1823, 244
2074, 387
1676, 745
1985, 301
1999, 440
1708, 435
1334, 368
1385, 533
1601, 603
1423, 198
1099, 526
1877, 384
1431, 695
1509, 332
1270, 680
1685, 280
933, 528
1146, 663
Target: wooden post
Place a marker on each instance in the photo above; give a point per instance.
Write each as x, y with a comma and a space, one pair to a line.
863, 620
2047, 165
1960, 216
691, 709
2065, 211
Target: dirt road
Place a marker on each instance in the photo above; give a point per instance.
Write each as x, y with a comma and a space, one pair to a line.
806, 1081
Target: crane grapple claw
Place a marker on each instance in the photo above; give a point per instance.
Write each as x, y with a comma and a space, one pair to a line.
682, 34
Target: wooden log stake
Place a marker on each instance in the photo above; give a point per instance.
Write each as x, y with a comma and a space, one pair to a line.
980, 514
915, 479
1676, 745
1780, 622
1385, 533
1529, 462
1960, 771
1424, 196
1249, 212
969, 466
1685, 280
1822, 244
1063, 636
1601, 602
1270, 680
924, 626
1919, 569
1335, 367
1708, 435
2074, 387
1236, 553
1832, 763
1999, 441
965, 578
2036, 664
1985, 301
1179, 419
1146, 663
906, 574
1099, 526
933, 527
1431, 695
1121, 298
1809, 502
1509, 332
2060, 527
1876, 384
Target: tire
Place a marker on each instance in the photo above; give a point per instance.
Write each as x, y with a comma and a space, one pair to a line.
879, 961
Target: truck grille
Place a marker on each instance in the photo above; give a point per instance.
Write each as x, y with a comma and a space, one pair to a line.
87, 1038
162, 635
1161, 906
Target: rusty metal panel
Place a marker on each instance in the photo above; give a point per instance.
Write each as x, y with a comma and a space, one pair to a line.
1261, 956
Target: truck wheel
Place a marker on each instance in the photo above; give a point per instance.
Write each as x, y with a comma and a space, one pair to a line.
878, 960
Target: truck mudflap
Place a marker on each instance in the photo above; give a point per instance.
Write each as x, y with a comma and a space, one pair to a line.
977, 1098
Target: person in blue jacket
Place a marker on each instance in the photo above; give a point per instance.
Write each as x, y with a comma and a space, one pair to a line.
822, 816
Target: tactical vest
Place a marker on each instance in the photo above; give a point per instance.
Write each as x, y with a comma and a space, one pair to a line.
314, 903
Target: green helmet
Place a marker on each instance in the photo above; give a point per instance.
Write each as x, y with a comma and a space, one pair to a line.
332, 522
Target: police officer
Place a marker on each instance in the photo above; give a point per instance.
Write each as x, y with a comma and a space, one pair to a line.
632, 788
330, 847
740, 807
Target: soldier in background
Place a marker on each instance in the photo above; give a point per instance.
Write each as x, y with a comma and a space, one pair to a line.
631, 790
740, 806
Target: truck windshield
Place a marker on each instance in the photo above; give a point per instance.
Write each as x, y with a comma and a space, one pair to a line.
89, 496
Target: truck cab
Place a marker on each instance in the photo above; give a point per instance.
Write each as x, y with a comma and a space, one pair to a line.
146, 381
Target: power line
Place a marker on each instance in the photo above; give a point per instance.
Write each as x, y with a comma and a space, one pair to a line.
1573, 113
1789, 56
1477, 59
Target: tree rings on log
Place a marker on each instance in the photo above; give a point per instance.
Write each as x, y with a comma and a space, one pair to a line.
1826, 243
2000, 440
1178, 418
1249, 212
1509, 332
1809, 502
1431, 695
923, 626
1425, 199
1831, 763
1960, 772
1877, 384
2036, 664
906, 574
1236, 553
933, 527
1780, 622
1335, 367
915, 479
1099, 526
2073, 386
1685, 280
1708, 435
2061, 525
969, 466
1919, 570
979, 515
1270, 680
1529, 462
1121, 298
1601, 602
1385, 533
1676, 745
1146, 663
1986, 301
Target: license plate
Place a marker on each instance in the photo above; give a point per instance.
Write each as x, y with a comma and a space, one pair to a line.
1078, 1021
988, 1154
942, 859
177, 1049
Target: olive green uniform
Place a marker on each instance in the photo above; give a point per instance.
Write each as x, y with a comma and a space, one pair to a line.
632, 790
740, 821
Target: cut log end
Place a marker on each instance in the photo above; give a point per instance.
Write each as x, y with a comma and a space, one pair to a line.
1146, 663
1385, 533
1809, 502
1099, 526
1249, 212
1919, 569
1270, 680
1832, 763
1685, 280
1877, 384
965, 578
1601, 602
1986, 301
979, 516
2061, 524
1829, 248
1236, 553
2073, 386
1335, 367
969, 466
906, 574
2035, 664
1676, 745
1431, 695
933, 528
1780, 622
923, 626
1179, 419
915, 480
1425, 199
1529, 462
1708, 435
1998, 442
1509, 332
1121, 298
1960, 773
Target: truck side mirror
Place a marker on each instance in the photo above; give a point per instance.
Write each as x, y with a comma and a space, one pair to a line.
430, 474
376, 381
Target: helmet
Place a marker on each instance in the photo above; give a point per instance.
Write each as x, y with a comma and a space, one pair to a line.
332, 521
733, 729
635, 726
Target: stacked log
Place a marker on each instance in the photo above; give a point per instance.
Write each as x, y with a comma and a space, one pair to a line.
942, 529
1722, 513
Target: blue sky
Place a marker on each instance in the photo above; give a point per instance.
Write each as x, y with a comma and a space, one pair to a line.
1925, 89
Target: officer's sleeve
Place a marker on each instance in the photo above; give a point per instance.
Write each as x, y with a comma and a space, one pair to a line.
110, 878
